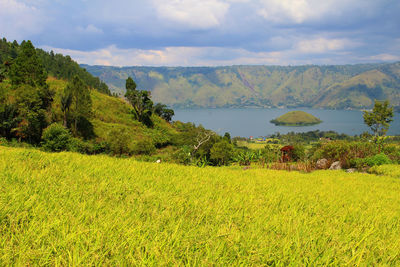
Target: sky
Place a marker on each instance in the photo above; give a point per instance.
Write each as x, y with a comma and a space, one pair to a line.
208, 32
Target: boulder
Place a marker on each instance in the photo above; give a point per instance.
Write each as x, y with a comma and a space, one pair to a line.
351, 170
322, 164
336, 166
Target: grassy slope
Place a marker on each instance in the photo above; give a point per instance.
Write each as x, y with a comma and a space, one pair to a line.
72, 209
296, 118
113, 113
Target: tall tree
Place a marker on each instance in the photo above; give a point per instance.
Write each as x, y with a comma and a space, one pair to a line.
379, 118
81, 102
140, 101
66, 101
32, 95
130, 84
27, 68
163, 111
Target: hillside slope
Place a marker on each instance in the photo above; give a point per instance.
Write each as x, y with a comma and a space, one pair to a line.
114, 113
71, 209
347, 86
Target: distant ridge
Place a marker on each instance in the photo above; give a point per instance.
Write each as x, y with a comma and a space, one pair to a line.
332, 87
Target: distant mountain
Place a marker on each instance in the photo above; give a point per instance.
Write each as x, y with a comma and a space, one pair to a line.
336, 87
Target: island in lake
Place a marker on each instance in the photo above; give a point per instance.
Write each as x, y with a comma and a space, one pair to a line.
296, 118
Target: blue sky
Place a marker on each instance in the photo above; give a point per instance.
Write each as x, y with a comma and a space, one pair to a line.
208, 32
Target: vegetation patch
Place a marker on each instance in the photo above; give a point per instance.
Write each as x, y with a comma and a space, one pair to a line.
71, 209
296, 118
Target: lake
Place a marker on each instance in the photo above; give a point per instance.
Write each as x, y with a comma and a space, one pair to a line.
247, 122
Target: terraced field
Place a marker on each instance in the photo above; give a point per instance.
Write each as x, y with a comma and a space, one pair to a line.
72, 209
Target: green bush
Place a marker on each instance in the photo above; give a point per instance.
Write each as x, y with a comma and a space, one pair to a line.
119, 142
393, 152
56, 138
377, 160
77, 145
221, 153
183, 155
345, 152
144, 147
271, 153
298, 153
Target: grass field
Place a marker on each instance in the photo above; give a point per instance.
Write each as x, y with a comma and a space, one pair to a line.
71, 209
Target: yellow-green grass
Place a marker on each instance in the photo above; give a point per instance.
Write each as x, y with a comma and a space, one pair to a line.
72, 209
296, 118
256, 145
251, 145
392, 170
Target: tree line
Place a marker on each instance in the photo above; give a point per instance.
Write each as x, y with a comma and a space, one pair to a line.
56, 65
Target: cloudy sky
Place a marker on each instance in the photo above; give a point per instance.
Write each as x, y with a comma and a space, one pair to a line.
208, 32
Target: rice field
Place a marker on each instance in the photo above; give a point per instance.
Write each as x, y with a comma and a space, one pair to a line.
71, 209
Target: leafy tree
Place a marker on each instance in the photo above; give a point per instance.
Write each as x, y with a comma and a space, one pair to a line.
164, 112
221, 152
227, 137
66, 101
80, 106
8, 119
56, 138
130, 84
119, 142
32, 95
379, 118
27, 68
31, 112
2, 72
140, 101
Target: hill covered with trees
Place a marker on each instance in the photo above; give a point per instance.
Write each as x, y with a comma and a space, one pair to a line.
333, 87
55, 65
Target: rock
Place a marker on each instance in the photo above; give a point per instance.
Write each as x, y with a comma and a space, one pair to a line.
351, 170
158, 161
322, 164
336, 166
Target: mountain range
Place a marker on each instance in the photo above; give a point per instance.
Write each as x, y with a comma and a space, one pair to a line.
331, 87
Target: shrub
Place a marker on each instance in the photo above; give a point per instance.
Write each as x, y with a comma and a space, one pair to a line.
377, 160
271, 153
183, 155
221, 152
77, 145
393, 152
56, 138
345, 152
298, 153
144, 147
118, 140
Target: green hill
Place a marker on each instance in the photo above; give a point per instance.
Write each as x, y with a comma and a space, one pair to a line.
296, 118
337, 87
111, 113
64, 209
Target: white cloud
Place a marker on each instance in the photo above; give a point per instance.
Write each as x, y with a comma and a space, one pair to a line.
19, 20
299, 11
323, 45
192, 13
384, 57
171, 56
90, 29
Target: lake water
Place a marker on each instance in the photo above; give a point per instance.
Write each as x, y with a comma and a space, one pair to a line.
255, 122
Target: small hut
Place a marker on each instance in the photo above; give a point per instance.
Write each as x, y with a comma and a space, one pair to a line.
287, 152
